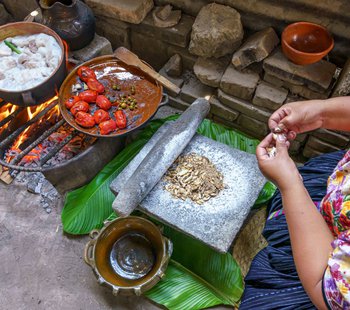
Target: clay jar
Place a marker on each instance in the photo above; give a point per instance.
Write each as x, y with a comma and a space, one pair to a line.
73, 20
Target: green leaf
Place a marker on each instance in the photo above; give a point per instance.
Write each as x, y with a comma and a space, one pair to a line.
265, 194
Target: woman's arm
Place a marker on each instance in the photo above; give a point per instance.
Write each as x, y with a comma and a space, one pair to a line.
310, 237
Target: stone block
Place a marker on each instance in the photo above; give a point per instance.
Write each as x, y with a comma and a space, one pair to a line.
301, 137
117, 32
295, 147
19, 9
188, 60
149, 49
331, 137
269, 96
178, 103
273, 80
256, 48
165, 16
131, 11
210, 70
194, 89
293, 98
234, 125
177, 35
239, 84
217, 31
98, 47
178, 81
189, 7
317, 76
256, 67
218, 109
342, 87
244, 107
253, 125
174, 66
310, 152
5, 17
320, 145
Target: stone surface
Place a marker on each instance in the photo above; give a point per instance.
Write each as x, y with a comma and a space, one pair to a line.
189, 7
177, 35
331, 137
131, 11
317, 76
259, 128
320, 146
309, 152
117, 32
269, 96
218, 109
217, 221
194, 89
239, 84
256, 48
178, 81
173, 67
162, 19
293, 98
149, 49
217, 31
188, 60
159, 159
19, 9
98, 47
342, 87
5, 17
243, 106
295, 147
210, 70
178, 103
273, 80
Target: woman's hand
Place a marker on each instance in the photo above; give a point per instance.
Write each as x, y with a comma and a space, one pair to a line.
297, 117
280, 169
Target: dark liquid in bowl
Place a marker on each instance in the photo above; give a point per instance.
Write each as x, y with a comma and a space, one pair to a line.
132, 256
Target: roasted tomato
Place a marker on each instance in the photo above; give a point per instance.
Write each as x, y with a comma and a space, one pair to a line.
79, 106
70, 102
88, 95
107, 126
93, 84
120, 119
103, 102
85, 119
86, 73
101, 116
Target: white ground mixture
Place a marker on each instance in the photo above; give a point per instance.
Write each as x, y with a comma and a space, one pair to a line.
40, 56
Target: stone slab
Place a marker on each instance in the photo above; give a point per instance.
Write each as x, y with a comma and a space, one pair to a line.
243, 106
131, 11
5, 17
98, 46
174, 66
331, 137
216, 32
19, 9
321, 146
178, 81
256, 48
210, 70
239, 84
342, 87
194, 89
310, 152
188, 60
259, 128
177, 35
217, 221
269, 96
178, 103
317, 76
218, 109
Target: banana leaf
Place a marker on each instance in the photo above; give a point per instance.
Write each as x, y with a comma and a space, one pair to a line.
87, 207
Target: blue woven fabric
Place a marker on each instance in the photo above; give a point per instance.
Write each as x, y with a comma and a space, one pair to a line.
272, 281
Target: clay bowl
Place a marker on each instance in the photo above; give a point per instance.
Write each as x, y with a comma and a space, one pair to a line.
129, 255
305, 43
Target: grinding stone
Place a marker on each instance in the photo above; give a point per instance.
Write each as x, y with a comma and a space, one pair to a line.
217, 221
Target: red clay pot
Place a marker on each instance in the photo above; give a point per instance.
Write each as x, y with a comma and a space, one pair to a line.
305, 43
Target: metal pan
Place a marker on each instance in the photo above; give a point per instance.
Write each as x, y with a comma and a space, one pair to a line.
47, 89
110, 71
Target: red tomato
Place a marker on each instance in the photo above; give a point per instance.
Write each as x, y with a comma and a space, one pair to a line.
107, 126
86, 73
120, 119
101, 116
70, 102
85, 119
103, 102
93, 84
80, 106
88, 95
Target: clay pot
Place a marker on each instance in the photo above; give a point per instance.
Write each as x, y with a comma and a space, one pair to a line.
73, 20
129, 255
305, 43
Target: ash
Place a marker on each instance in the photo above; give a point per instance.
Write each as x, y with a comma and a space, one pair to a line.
37, 184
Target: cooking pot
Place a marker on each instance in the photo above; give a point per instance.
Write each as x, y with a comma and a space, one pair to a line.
49, 87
